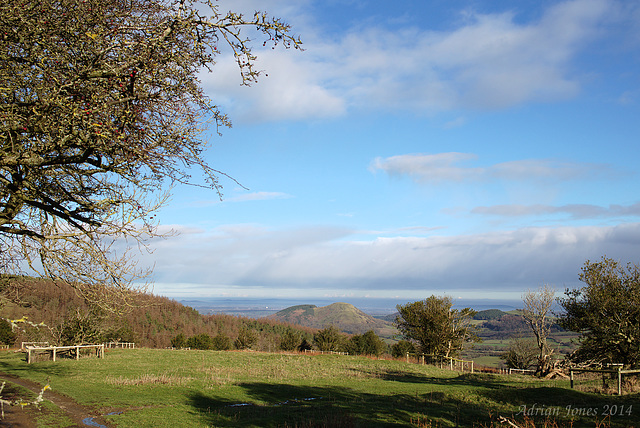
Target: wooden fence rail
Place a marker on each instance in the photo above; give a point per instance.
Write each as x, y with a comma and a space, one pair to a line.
523, 371
33, 350
24, 345
617, 371
313, 351
129, 345
452, 362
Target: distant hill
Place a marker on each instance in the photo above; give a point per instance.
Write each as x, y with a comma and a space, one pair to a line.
489, 314
343, 316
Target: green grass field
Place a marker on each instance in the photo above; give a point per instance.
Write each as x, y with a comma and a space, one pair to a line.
165, 388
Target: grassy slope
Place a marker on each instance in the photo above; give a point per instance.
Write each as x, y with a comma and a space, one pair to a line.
206, 388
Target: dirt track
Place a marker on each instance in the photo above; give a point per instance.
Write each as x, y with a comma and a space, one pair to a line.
17, 417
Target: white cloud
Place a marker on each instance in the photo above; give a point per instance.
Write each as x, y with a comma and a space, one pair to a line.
434, 168
492, 62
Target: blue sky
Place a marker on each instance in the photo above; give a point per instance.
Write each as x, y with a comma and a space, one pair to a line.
469, 148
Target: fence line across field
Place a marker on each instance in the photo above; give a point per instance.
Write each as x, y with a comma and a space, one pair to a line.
616, 371
128, 345
452, 362
313, 351
523, 371
33, 350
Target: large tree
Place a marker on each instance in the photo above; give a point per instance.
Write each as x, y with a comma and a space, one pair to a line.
437, 328
101, 110
606, 311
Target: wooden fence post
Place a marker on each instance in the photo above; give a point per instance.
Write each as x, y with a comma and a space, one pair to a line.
571, 377
619, 381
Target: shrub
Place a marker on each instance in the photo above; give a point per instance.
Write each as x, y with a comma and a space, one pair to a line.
402, 348
180, 341
328, 339
200, 341
366, 344
289, 341
7, 336
246, 338
221, 342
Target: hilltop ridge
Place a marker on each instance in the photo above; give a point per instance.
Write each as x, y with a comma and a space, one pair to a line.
343, 316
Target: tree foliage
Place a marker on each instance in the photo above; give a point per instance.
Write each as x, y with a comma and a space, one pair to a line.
290, 340
80, 328
221, 342
521, 353
179, 341
200, 341
402, 348
328, 339
100, 110
606, 312
366, 344
437, 329
7, 335
247, 337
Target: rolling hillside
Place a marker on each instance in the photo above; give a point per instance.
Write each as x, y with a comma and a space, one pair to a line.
152, 323
343, 316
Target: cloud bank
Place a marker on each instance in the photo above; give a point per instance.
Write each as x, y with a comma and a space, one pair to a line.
245, 256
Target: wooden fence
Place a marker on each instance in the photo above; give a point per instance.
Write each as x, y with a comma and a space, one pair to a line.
522, 371
444, 362
615, 372
24, 345
32, 351
313, 351
128, 345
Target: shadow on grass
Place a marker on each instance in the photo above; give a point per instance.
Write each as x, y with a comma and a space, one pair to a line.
466, 401
21, 369
284, 405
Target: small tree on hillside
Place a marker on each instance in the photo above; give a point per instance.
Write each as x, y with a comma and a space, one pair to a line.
81, 327
290, 340
7, 336
246, 338
536, 311
435, 326
179, 341
200, 341
366, 344
328, 339
606, 312
221, 342
521, 353
402, 348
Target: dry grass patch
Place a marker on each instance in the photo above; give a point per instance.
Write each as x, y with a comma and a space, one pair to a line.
149, 379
